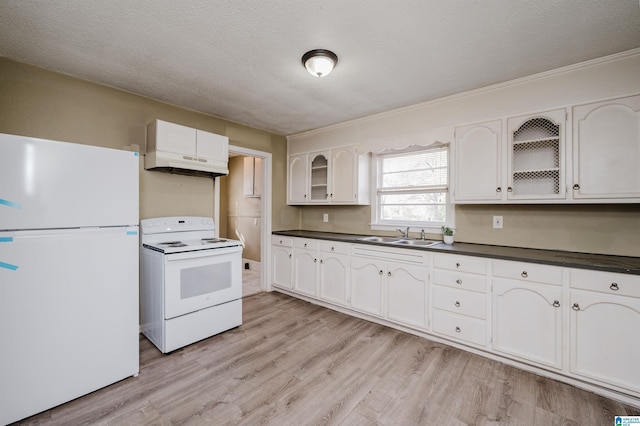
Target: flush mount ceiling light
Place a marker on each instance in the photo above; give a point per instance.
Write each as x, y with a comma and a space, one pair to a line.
319, 62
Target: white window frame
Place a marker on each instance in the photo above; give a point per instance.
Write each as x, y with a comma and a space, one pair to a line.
429, 227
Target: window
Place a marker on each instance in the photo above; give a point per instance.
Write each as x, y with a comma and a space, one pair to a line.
412, 189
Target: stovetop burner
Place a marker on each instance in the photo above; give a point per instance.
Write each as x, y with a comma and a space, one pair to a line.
173, 244
213, 240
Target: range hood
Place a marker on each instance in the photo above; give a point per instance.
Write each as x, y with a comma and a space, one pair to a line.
179, 149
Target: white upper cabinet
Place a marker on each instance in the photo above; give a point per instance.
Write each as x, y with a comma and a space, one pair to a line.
297, 179
335, 176
536, 156
478, 172
319, 177
606, 150
176, 146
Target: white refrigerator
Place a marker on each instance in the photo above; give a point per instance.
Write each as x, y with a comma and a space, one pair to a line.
68, 272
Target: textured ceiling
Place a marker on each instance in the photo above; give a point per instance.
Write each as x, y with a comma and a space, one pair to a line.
240, 59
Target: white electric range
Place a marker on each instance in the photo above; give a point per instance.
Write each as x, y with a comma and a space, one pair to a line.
191, 281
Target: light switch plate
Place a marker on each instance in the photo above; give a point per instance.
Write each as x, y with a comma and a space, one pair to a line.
325, 217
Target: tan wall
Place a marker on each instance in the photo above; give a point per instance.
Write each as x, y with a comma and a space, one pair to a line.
604, 229
243, 213
44, 104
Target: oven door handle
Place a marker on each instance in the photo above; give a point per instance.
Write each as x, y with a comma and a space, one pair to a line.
202, 253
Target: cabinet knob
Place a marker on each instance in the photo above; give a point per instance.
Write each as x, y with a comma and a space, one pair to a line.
280, 241
326, 195
524, 274
380, 272
575, 307
614, 287
305, 244
305, 195
315, 260
556, 303
576, 186
457, 265
333, 249
509, 189
289, 256
457, 304
389, 273
498, 189
458, 330
321, 261
458, 281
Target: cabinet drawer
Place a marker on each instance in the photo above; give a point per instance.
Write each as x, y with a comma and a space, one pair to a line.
460, 301
460, 280
468, 329
606, 282
278, 240
305, 243
528, 272
334, 247
460, 263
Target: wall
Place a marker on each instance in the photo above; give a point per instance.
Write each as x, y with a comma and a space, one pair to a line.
606, 229
44, 104
243, 213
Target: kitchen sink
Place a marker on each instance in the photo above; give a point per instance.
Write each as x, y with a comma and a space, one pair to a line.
401, 241
388, 240
421, 243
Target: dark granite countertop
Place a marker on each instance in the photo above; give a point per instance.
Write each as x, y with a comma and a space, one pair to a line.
599, 262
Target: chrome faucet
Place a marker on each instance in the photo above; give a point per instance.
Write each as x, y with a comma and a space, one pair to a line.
405, 233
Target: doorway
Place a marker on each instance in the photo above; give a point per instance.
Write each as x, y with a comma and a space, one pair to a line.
243, 212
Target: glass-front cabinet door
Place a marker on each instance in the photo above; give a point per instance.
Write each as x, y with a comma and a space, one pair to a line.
319, 176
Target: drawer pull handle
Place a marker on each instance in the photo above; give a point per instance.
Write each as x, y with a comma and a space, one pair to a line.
458, 281
457, 304
575, 307
556, 303
380, 272
614, 287
457, 265
389, 273
458, 330
524, 274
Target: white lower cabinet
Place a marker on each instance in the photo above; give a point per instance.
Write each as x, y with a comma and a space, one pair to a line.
367, 280
527, 321
407, 294
282, 255
522, 315
334, 272
605, 345
305, 267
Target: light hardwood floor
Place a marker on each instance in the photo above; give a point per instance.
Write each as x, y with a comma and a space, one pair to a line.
295, 363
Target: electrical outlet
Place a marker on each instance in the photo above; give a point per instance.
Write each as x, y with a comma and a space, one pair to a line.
497, 222
325, 217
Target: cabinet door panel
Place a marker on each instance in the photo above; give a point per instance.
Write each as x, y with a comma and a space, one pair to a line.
334, 275
297, 179
343, 175
527, 321
478, 167
305, 278
604, 333
212, 146
366, 285
176, 138
407, 294
606, 149
282, 266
